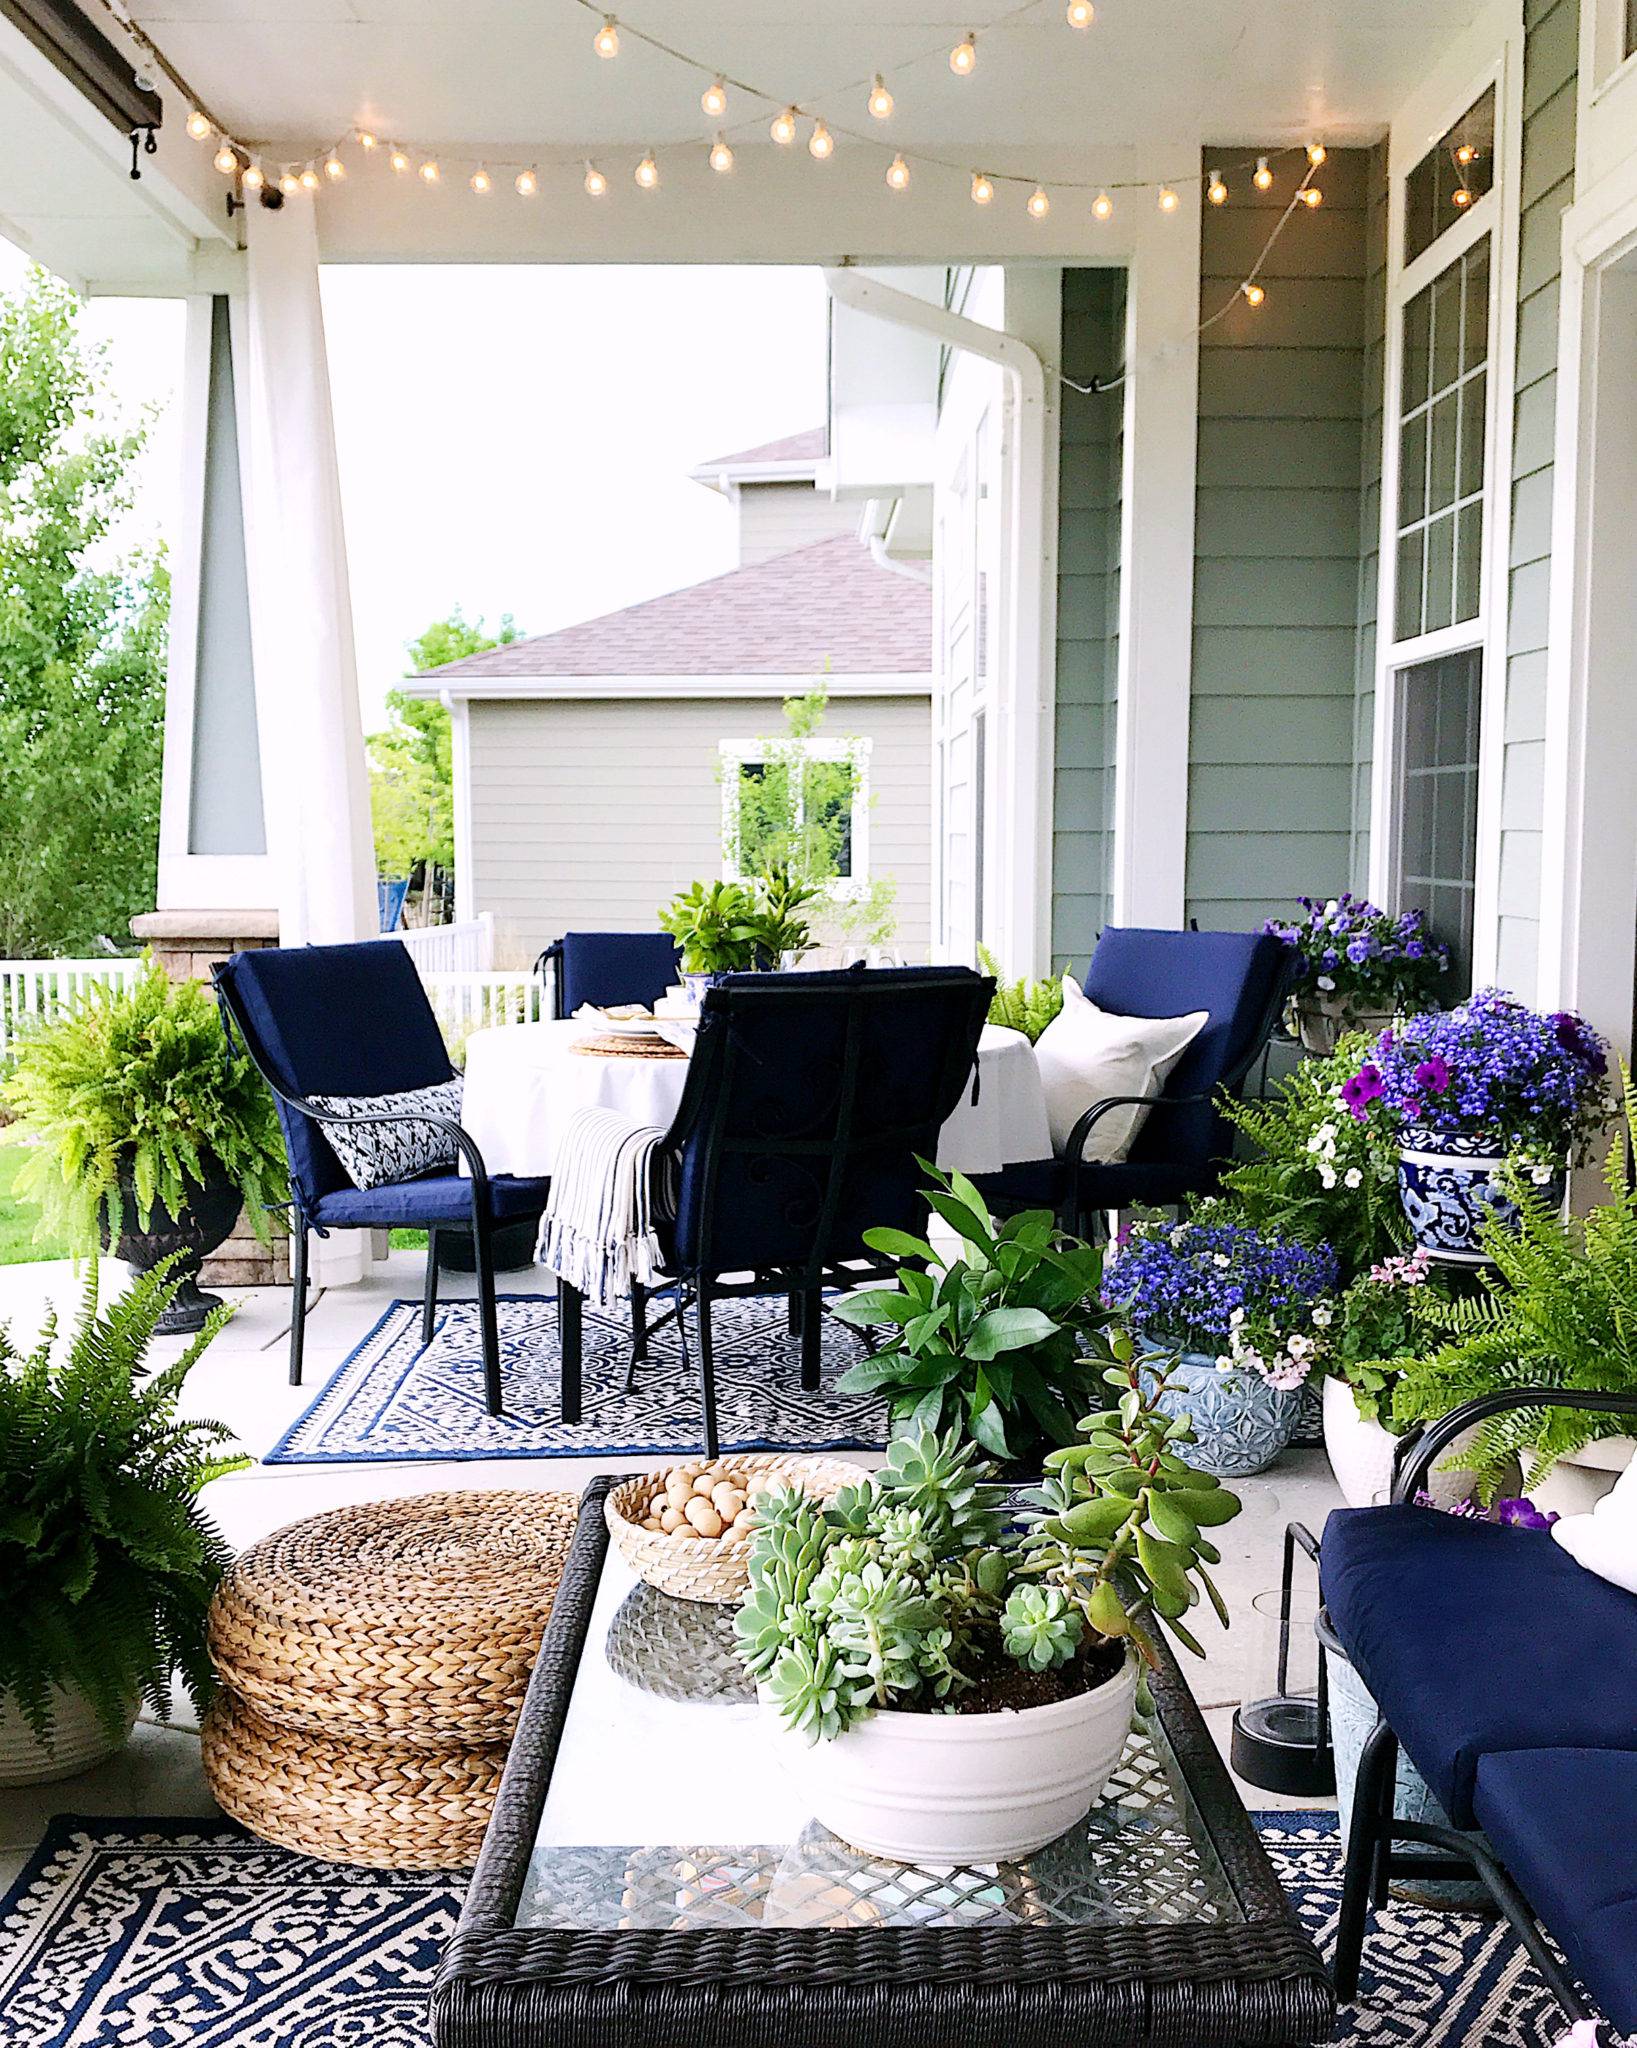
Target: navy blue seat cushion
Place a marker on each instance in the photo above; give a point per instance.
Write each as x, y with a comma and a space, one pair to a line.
1042, 1184
1565, 1824
1476, 1639
615, 967
1238, 978
435, 1198
334, 1020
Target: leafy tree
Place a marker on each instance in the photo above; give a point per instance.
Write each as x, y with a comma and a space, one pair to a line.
82, 642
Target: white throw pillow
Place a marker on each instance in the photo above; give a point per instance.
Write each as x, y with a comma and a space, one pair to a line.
1605, 1541
1087, 1054
375, 1155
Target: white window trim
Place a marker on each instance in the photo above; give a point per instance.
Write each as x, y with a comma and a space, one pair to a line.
1496, 215
737, 754
1607, 96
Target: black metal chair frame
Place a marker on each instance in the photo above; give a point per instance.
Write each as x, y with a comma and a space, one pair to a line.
702, 1117
1373, 1859
482, 1217
552, 957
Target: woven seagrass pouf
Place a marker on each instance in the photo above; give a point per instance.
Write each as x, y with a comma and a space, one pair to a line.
373, 1661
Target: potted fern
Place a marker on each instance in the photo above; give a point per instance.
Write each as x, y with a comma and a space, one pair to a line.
144, 1134
107, 1562
948, 1688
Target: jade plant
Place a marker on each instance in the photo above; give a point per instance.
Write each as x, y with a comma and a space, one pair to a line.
912, 1590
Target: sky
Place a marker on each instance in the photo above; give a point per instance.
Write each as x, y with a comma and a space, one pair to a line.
516, 439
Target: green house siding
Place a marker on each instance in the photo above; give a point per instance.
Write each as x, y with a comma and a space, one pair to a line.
1088, 610
1272, 737
1550, 87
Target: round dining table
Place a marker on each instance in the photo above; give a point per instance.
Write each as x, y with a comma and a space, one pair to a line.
524, 1083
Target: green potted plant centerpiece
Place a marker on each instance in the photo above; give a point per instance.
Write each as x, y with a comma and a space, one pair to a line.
738, 927
144, 1134
107, 1562
948, 1688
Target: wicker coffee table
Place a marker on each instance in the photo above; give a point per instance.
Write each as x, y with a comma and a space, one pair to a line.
650, 1879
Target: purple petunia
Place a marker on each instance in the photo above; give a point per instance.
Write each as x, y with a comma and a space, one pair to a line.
1432, 1075
1361, 1090
1360, 951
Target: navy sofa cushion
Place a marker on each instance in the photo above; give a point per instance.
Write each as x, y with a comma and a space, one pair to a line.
435, 1198
1565, 1824
1476, 1639
615, 967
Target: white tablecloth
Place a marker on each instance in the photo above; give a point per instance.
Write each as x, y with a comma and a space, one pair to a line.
525, 1081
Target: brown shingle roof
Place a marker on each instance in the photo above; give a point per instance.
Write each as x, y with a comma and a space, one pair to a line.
827, 608
811, 446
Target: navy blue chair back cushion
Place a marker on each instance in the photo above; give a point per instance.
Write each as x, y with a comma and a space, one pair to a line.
1237, 976
807, 1100
615, 967
334, 1020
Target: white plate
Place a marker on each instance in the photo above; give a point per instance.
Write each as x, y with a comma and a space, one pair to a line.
615, 1027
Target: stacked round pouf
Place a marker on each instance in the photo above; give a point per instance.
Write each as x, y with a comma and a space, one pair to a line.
372, 1663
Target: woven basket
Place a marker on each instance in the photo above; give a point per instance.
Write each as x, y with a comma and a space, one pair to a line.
410, 1622
714, 1568
385, 1807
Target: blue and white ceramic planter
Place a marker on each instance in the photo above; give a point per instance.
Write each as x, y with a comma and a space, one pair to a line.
696, 985
1242, 1424
1450, 1185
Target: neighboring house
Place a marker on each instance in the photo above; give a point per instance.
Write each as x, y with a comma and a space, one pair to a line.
597, 769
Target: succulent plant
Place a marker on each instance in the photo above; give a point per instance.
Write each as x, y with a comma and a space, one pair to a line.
1039, 1628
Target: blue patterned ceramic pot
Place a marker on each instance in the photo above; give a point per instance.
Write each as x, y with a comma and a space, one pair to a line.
1242, 1424
1449, 1185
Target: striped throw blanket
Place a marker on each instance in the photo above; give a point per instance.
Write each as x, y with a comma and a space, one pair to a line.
611, 1186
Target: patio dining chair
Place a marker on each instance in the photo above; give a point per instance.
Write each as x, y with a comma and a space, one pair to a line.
1241, 980
609, 967
807, 1101
354, 1021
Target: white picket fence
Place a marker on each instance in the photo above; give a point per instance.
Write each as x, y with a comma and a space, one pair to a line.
34, 989
464, 948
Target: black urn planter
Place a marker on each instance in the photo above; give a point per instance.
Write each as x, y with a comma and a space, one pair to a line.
212, 1210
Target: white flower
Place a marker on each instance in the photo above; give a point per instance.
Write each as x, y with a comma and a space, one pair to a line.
1221, 1259
1323, 1317
1327, 982
1540, 1175
1224, 1364
1327, 1176
1235, 1317
1327, 1132
1352, 1178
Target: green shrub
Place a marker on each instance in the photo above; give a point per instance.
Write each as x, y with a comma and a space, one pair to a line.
1026, 1006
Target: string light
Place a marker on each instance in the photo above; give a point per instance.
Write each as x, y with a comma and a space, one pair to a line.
721, 155
1168, 200
714, 99
1460, 197
783, 128
983, 188
334, 169
963, 59
880, 101
821, 143
1262, 178
398, 160
1316, 154
1217, 192
1080, 13
1102, 207
606, 42
481, 182
365, 139
198, 127
595, 183
1310, 196
1466, 154
430, 173
1039, 204
527, 183
1254, 294
289, 184
254, 177
225, 161
309, 179
647, 173
898, 174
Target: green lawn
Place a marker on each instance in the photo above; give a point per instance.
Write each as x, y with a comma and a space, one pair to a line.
17, 1217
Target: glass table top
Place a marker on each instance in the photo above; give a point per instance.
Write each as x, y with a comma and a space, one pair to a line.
668, 1807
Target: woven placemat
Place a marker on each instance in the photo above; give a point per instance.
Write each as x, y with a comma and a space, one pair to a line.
611, 1047
411, 1623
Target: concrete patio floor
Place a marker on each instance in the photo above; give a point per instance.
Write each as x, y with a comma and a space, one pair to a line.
242, 1381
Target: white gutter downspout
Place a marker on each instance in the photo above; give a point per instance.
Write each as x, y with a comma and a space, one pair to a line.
1025, 812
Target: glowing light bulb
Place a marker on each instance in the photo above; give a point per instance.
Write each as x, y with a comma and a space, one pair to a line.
721, 155
481, 182
1254, 294
1466, 154
527, 184
1080, 13
226, 162
983, 188
821, 143
1460, 197
1216, 192
880, 101
1168, 200
647, 173
289, 184
898, 174
606, 42
1039, 204
1311, 196
1316, 154
334, 169
430, 172
963, 59
399, 161
1102, 207
595, 183
365, 139
309, 179
254, 177
198, 126
714, 99
1262, 178
783, 127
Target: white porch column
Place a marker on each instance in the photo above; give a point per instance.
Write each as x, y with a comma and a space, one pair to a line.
312, 740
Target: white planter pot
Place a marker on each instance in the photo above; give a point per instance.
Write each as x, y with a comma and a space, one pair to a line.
1575, 1485
1361, 1455
78, 1739
962, 1788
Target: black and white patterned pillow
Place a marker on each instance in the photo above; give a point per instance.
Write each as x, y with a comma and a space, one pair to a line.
376, 1154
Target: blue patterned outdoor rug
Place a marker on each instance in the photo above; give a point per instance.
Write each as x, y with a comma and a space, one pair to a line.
189, 1934
396, 1398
